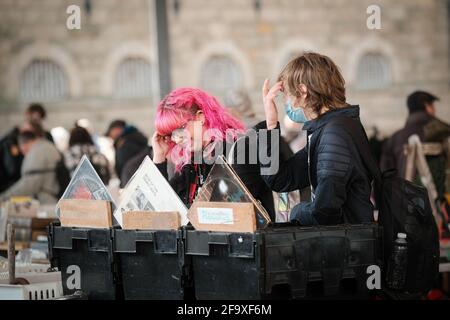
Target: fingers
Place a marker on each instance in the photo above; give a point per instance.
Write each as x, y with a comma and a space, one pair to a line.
157, 138
154, 138
265, 88
166, 139
274, 90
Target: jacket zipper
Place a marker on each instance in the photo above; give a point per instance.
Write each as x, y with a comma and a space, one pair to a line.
309, 166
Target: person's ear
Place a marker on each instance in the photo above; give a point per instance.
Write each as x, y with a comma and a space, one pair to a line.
429, 108
199, 116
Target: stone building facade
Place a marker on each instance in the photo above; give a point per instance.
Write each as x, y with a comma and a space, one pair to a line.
109, 68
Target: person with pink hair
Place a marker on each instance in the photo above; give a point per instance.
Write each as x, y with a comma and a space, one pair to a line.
192, 129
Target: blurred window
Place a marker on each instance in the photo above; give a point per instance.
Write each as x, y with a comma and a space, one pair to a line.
373, 72
133, 79
43, 80
220, 75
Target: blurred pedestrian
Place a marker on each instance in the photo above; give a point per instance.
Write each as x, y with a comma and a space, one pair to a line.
36, 113
421, 121
80, 143
128, 142
38, 173
10, 156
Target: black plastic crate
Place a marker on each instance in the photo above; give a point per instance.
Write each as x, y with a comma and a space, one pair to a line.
152, 264
89, 254
318, 262
283, 262
225, 265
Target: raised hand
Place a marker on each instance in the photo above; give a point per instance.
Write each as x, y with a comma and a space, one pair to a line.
270, 107
160, 148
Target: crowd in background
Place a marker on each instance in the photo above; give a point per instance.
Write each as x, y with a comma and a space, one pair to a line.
32, 158
116, 154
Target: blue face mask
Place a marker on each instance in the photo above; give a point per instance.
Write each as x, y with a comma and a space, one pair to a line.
296, 115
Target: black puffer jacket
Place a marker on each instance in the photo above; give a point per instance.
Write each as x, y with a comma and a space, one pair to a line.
129, 144
132, 165
340, 182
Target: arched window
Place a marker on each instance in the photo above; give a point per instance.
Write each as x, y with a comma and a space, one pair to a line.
133, 79
220, 75
373, 72
43, 80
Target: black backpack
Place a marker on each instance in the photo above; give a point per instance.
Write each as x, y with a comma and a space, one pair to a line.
404, 207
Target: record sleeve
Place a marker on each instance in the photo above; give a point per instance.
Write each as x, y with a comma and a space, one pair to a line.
224, 185
86, 184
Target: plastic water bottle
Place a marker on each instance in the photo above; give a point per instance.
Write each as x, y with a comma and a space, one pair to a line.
396, 276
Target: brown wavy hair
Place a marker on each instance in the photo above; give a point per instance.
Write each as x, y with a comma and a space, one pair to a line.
322, 78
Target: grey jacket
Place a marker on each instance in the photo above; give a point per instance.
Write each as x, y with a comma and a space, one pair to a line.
43, 186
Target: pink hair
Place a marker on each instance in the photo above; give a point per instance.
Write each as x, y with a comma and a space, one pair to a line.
181, 106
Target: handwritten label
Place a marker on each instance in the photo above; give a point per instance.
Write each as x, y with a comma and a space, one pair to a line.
215, 215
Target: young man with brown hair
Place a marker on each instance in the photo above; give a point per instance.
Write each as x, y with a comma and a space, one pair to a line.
314, 92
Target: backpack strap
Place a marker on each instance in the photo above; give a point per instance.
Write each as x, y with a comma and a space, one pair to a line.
39, 171
42, 171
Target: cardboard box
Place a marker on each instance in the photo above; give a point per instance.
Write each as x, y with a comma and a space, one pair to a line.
223, 216
149, 220
38, 236
23, 207
85, 213
41, 224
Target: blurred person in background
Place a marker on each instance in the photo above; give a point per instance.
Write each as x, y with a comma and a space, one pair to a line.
115, 129
10, 156
376, 143
80, 143
61, 138
38, 172
36, 113
239, 105
128, 142
86, 124
10, 159
133, 164
422, 121
103, 144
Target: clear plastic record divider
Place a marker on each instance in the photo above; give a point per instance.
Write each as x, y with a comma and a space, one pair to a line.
86, 184
224, 185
